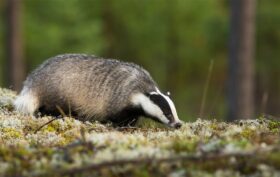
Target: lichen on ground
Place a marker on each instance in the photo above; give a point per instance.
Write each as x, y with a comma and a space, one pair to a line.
67, 146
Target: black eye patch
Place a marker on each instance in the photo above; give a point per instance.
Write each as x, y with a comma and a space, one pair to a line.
162, 104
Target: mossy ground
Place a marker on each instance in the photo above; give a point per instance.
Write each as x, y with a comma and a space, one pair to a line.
67, 147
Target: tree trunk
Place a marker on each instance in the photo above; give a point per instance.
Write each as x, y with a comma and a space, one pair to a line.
108, 27
16, 68
241, 59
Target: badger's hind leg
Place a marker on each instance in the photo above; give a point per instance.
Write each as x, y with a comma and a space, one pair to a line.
27, 102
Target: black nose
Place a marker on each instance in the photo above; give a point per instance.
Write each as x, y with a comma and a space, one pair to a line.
178, 125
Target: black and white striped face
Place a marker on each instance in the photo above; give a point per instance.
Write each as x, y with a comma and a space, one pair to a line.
158, 106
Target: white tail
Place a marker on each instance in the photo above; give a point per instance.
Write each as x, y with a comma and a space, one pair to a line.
26, 102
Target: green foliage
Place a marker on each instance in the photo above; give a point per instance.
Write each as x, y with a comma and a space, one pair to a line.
54, 27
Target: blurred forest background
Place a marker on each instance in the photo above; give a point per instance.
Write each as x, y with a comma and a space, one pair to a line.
190, 47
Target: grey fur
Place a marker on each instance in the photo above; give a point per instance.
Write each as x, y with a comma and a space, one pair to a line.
93, 87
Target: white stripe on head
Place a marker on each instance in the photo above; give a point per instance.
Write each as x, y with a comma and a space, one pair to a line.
149, 107
171, 104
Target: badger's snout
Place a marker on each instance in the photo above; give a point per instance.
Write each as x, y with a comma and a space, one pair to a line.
176, 125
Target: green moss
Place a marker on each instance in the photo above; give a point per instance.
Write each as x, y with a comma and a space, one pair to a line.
247, 133
243, 143
4, 152
214, 126
141, 172
273, 159
183, 145
8, 132
49, 128
274, 126
22, 152
61, 145
148, 123
66, 140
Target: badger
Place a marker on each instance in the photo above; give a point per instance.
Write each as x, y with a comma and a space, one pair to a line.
95, 88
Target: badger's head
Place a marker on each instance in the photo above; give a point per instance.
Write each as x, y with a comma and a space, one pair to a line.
159, 107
